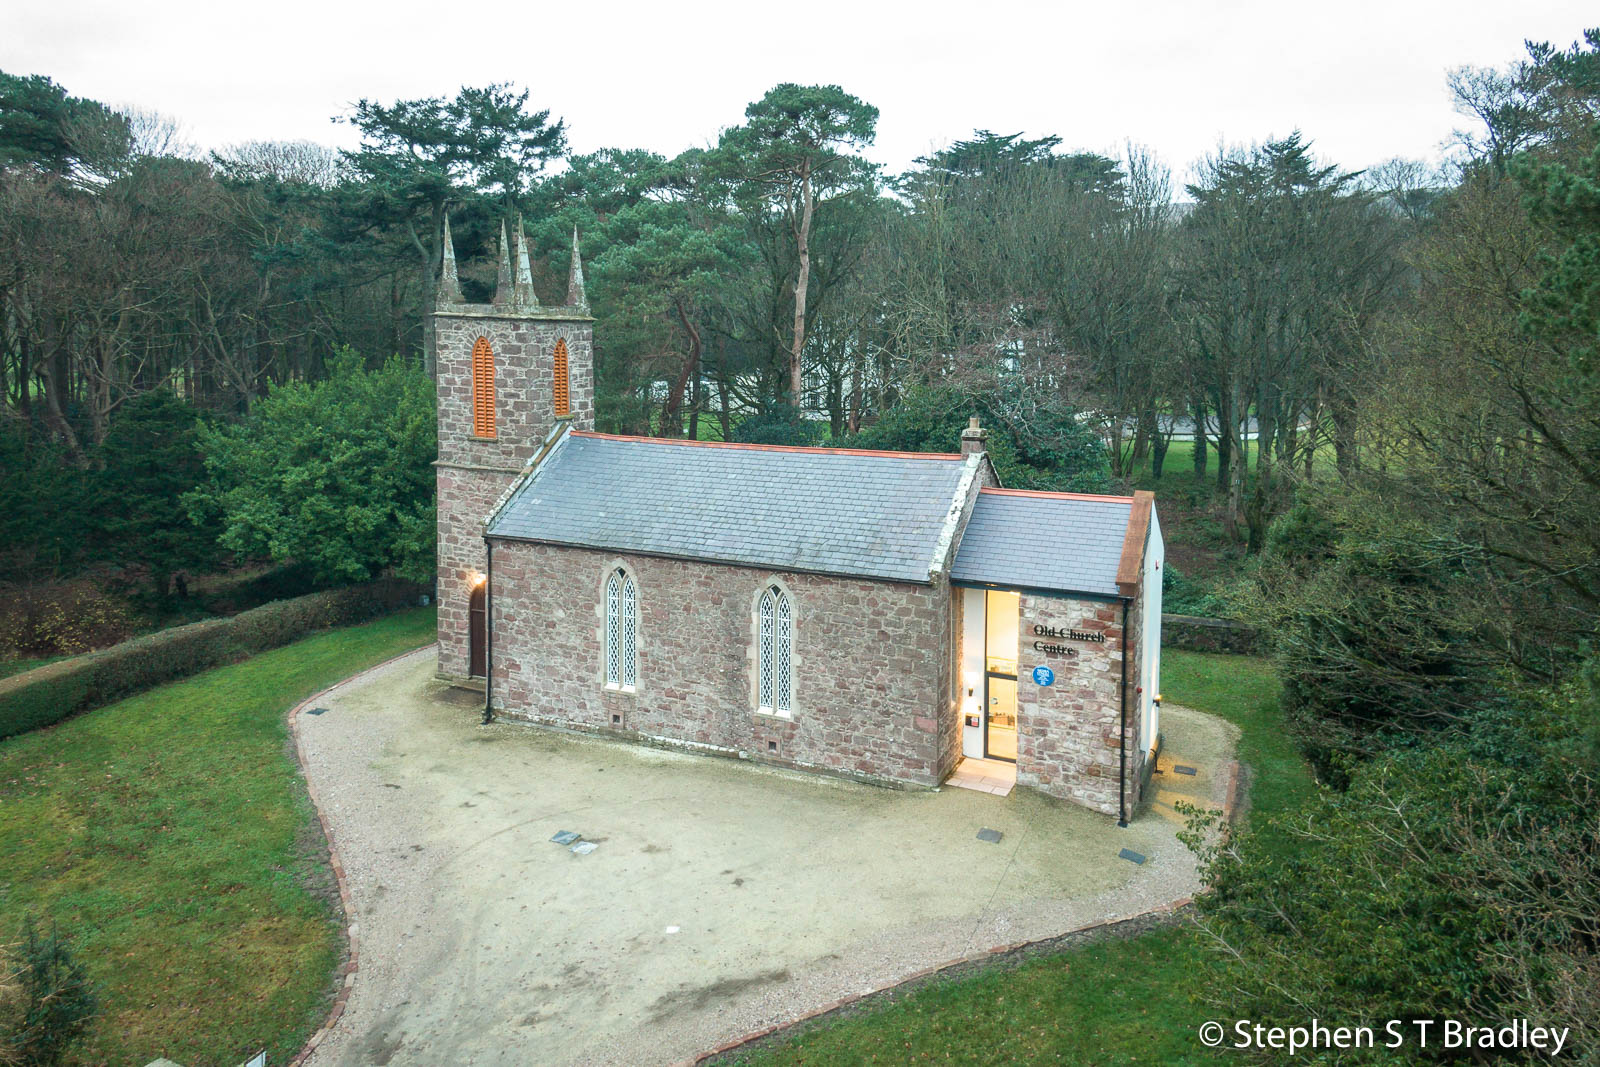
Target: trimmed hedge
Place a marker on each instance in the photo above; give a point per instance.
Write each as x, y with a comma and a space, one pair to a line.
48, 694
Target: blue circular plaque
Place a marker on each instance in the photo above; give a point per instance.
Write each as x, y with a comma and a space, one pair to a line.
1043, 676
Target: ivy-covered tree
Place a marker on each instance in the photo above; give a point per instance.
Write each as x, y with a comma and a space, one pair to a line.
930, 419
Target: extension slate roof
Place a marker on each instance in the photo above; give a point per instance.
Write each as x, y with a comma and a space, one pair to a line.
1058, 542
830, 511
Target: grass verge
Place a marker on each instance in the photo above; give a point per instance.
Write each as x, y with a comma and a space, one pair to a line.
170, 836
1118, 1000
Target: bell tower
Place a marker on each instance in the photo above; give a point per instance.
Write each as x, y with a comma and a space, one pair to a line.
508, 373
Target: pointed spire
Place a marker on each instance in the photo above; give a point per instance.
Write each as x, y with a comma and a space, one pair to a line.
505, 288
576, 297
449, 291
524, 291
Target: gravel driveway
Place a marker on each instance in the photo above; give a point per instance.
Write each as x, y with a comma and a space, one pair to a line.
721, 897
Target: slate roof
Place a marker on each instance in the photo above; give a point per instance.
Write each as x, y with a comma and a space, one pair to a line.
1053, 542
830, 511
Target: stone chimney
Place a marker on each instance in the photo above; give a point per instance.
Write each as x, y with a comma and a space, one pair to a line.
973, 437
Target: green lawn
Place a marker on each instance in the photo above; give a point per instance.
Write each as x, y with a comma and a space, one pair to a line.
17, 666
169, 835
1115, 1001
1243, 690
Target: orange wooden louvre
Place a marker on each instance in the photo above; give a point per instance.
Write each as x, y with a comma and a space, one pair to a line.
563, 405
482, 389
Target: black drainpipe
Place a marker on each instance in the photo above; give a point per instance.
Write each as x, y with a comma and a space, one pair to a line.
488, 632
1122, 753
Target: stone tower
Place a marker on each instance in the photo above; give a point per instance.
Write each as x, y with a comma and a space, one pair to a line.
508, 372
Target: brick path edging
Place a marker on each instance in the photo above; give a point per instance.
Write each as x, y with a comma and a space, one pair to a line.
352, 929
1229, 810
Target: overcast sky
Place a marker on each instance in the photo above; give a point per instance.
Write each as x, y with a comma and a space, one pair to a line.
1365, 80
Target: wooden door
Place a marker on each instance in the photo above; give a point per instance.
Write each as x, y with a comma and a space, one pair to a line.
478, 630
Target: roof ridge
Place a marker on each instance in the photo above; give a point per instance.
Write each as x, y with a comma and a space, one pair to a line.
1056, 496
552, 441
949, 543
811, 449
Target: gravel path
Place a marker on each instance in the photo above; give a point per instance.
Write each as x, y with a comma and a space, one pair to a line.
721, 897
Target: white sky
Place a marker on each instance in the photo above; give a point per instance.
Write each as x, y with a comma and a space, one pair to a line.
1365, 80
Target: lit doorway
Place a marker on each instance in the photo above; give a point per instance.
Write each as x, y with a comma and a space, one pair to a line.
1002, 619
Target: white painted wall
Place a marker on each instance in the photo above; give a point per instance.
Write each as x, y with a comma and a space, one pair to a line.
1150, 669
971, 673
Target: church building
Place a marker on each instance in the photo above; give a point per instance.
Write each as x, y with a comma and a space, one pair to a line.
884, 616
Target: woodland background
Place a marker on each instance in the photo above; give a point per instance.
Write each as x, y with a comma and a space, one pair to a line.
216, 384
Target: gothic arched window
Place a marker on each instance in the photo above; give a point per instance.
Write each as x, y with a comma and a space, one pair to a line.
622, 629
775, 653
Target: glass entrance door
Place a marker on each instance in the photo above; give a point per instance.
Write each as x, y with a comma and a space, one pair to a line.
1001, 641
1000, 738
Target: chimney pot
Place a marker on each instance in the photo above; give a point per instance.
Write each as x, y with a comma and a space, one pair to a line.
973, 438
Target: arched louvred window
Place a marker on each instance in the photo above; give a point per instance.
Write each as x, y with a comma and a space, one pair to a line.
563, 399
775, 653
482, 389
622, 630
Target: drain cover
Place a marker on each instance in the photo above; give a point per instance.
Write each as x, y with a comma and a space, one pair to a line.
991, 836
1181, 769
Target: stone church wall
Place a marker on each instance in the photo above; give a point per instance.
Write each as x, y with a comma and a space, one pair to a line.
870, 661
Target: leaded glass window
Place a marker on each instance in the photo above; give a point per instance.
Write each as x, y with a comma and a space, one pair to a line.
613, 620
630, 627
622, 630
775, 652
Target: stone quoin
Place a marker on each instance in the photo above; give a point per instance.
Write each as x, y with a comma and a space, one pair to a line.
869, 614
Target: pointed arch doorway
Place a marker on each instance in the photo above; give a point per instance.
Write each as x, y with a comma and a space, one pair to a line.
477, 632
